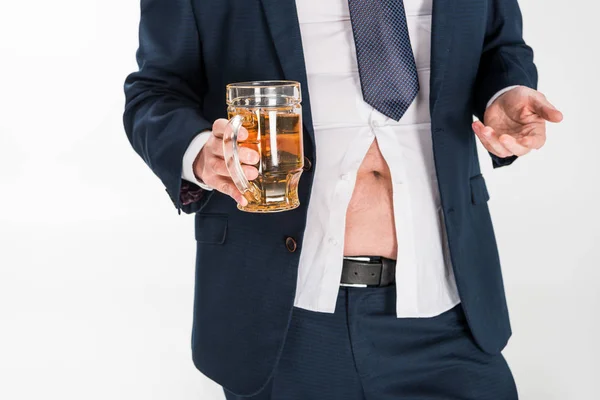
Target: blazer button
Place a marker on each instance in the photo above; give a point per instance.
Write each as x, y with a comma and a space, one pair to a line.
291, 244
307, 164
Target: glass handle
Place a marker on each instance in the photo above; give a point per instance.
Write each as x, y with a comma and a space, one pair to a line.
232, 160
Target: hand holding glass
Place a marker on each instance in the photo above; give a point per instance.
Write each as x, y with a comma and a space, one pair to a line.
271, 113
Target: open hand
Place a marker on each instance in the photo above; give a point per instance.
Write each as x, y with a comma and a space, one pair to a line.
515, 123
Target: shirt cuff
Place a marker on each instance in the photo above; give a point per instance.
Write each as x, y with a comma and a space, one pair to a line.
190, 156
500, 93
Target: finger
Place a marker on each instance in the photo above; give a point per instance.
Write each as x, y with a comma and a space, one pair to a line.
222, 125
490, 138
248, 156
219, 127
489, 147
250, 172
533, 141
512, 145
216, 148
477, 128
226, 186
546, 110
217, 169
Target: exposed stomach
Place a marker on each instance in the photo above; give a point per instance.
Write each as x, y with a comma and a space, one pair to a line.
370, 226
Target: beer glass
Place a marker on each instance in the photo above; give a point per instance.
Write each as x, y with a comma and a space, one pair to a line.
271, 113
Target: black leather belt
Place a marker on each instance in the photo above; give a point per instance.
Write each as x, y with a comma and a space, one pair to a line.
368, 272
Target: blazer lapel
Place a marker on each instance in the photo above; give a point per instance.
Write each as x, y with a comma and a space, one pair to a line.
282, 18
441, 43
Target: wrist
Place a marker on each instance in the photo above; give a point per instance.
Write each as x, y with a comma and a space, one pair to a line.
501, 94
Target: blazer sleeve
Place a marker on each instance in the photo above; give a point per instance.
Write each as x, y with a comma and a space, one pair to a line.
505, 60
163, 111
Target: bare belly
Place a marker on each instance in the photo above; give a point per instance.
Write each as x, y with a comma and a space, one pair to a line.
370, 229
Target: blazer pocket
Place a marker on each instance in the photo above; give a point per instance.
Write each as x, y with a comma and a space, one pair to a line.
479, 192
211, 228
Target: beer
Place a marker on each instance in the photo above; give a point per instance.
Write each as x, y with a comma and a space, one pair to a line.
276, 134
271, 113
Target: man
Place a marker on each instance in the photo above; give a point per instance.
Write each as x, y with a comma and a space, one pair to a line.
386, 282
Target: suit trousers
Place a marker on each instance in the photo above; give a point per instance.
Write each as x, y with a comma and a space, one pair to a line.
363, 352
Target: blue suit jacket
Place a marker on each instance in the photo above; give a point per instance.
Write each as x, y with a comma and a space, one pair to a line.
245, 275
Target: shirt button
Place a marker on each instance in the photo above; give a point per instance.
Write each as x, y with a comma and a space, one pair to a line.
333, 242
375, 124
291, 244
345, 177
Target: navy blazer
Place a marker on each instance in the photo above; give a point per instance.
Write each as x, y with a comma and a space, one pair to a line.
245, 274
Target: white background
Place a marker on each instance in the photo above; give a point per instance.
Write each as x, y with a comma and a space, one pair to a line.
97, 268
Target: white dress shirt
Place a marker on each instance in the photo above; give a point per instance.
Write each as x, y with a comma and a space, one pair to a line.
345, 127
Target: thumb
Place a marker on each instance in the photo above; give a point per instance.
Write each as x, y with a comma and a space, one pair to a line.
546, 110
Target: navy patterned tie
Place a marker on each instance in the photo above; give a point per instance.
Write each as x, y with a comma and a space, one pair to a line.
386, 63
